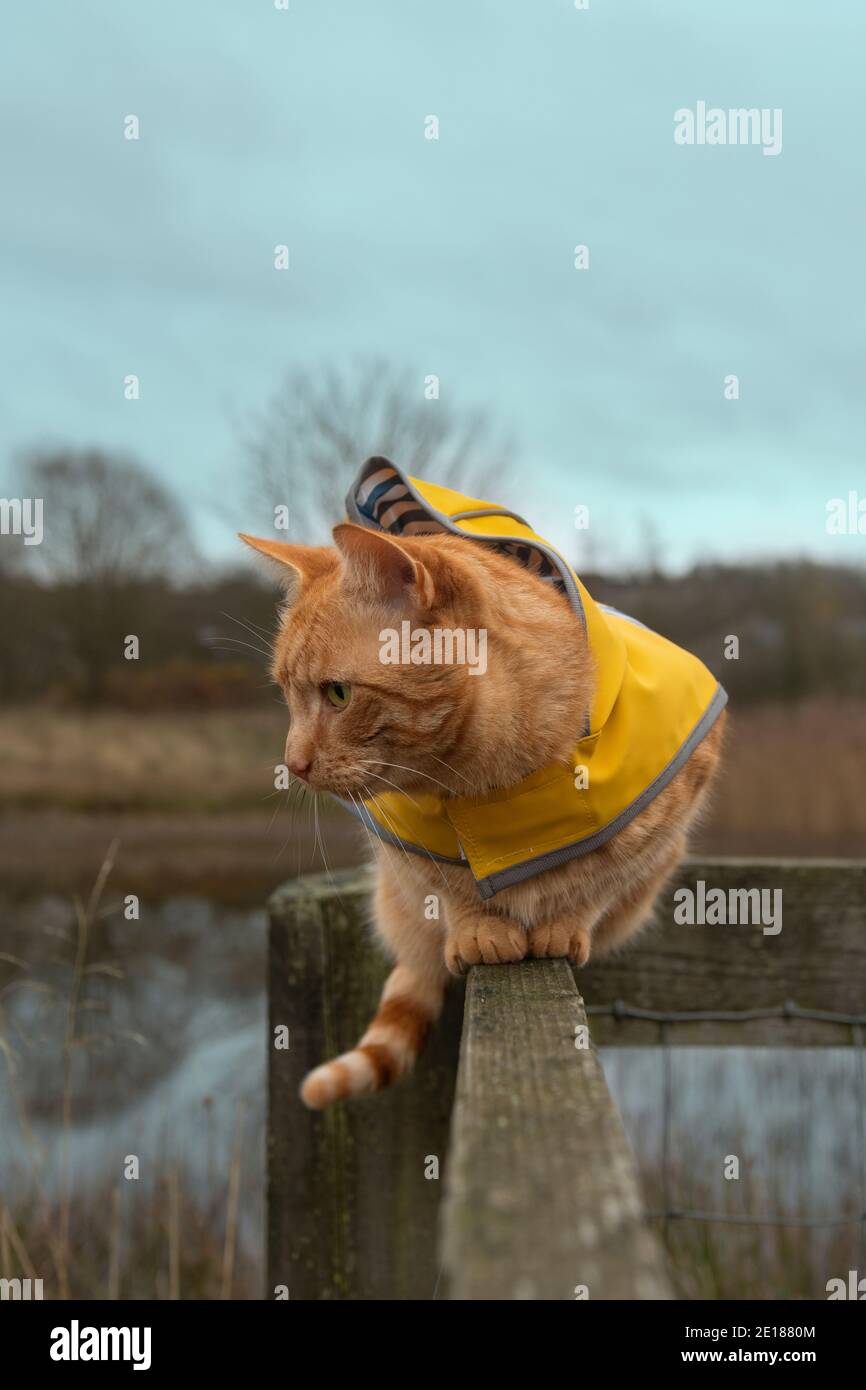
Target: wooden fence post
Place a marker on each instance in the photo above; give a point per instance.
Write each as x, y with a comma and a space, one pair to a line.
351, 1214
817, 959
542, 1196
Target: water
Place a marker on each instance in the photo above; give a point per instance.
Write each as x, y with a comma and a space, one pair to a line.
168, 1051
792, 1117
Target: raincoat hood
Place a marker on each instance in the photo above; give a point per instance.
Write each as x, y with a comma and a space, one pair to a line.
653, 703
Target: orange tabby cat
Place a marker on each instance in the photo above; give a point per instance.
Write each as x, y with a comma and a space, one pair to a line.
358, 726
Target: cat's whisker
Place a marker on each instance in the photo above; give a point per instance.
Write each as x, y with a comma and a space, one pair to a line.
270, 765
380, 778
248, 623
568, 903
310, 802
295, 801
237, 642
285, 801
359, 808
390, 826
403, 768
321, 844
450, 768
274, 816
252, 628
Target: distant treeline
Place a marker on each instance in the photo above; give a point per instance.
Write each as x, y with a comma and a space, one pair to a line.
801, 629
65, 642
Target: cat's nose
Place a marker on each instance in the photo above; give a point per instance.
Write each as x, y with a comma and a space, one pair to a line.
299, 768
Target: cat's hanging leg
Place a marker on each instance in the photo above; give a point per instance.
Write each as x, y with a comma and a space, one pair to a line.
411, 1000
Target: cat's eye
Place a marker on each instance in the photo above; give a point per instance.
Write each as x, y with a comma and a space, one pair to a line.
339, 693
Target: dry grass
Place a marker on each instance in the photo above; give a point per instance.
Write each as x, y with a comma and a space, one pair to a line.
166, 1244
794, 771
169, 1242
791, 1117
190, 797
119, 761
715, 1260
792, 783
106, 1242
725, 1260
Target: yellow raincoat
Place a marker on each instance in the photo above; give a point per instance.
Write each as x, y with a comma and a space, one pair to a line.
653, 704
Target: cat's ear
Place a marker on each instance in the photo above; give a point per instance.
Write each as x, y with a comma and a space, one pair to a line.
380, 568
296, 565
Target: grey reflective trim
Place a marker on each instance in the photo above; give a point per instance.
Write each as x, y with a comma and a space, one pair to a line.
354, 514
556, 560
506, 878
490, 511
363, 815
617, 613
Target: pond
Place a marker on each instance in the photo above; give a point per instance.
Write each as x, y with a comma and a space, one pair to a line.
133, 1096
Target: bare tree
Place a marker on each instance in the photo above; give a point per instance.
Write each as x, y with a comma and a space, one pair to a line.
112, 536
308, 444
107, 519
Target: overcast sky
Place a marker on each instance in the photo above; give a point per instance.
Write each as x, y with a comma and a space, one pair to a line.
306, 127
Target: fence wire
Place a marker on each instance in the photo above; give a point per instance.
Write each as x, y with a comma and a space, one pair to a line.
669, 1212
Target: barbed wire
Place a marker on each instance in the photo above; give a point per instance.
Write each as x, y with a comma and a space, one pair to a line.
668, 1212
788, 1010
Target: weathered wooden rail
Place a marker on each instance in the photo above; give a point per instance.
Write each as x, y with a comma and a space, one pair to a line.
508, 1110
543, 1198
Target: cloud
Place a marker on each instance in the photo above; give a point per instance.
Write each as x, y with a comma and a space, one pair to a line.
306, 127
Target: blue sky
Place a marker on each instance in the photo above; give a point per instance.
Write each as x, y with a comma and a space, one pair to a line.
260, 126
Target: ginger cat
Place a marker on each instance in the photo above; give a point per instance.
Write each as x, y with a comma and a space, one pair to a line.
358, 727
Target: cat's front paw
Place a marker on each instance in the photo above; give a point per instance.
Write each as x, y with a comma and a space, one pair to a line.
558, 939
484, 942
